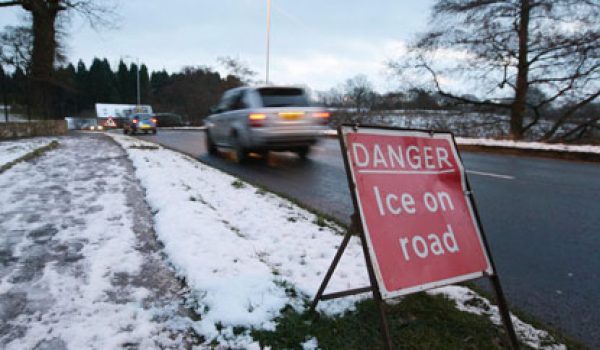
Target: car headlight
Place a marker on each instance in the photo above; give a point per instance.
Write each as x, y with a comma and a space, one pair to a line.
92, 127
100, 127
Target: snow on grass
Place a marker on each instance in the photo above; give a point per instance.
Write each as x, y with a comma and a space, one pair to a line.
244, 252
468, 301
525, 145
13, 150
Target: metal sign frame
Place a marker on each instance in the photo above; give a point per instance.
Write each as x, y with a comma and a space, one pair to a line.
358, 227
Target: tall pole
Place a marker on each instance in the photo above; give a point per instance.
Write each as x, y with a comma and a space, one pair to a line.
138, 82
268, 38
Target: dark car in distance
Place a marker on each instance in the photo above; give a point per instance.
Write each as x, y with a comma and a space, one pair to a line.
167, 120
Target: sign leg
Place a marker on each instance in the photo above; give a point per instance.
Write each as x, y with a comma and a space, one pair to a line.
385, 330
336, 259
504, 312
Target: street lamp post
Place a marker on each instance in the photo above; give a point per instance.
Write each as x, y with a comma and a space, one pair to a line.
138, 83
268, 38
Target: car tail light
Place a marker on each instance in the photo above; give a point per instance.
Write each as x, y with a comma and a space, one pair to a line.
323, 117
257, 119
135, 121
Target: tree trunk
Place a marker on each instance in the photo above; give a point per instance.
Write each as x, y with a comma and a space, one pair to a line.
518, 110
42, 57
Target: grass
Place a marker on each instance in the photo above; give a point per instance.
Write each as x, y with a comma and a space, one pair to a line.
238, 184
38, 152
420, 321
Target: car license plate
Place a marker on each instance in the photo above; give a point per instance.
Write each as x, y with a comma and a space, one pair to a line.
291, 115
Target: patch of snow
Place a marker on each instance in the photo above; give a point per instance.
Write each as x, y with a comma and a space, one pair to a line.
66, 223
529, 145
246, 253
13, 150
468, 301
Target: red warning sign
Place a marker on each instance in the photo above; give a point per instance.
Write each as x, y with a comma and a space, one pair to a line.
417, 217
110, 123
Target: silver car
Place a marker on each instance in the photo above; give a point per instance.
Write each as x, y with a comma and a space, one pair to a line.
260, 119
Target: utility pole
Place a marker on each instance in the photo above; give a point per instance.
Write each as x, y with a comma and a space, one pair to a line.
138, 83
268, 38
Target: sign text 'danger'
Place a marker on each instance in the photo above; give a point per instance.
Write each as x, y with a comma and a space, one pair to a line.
382, 156
419, 226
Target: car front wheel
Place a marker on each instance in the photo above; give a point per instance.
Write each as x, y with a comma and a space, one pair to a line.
241, 153
210, 144
303, 152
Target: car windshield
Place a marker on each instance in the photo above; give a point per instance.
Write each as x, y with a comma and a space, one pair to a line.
142, 116
283, 97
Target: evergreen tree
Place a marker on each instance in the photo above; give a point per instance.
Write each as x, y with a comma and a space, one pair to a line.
125, 86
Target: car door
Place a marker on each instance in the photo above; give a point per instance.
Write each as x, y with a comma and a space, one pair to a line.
219, 124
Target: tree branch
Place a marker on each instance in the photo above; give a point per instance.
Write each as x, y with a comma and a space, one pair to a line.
568, 114
9, 3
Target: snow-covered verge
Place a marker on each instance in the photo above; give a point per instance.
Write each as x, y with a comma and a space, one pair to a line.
524, 145
71, 272
13, 150
247, 253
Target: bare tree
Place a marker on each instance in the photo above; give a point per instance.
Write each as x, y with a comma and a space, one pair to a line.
359, 92
504, 49
44, 24
238, 69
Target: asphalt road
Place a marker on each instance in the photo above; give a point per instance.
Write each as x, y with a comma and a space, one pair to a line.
541, 217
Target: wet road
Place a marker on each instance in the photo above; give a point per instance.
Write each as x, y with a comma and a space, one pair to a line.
541, 216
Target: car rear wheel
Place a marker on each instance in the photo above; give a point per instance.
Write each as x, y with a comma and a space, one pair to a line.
125, 131
153, 131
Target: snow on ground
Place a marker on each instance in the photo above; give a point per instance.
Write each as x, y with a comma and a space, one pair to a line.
13, 150
516, 144
71, 270
529, 145
246, 253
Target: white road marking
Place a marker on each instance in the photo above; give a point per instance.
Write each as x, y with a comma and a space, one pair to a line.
499, 176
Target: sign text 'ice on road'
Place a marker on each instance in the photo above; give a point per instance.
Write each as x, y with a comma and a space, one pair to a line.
419, 223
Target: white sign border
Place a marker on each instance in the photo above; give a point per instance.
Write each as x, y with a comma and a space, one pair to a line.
386, 294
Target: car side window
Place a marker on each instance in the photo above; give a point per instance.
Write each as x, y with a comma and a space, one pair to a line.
225, 103
239, 101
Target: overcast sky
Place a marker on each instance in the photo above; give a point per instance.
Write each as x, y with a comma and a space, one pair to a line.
314, 42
